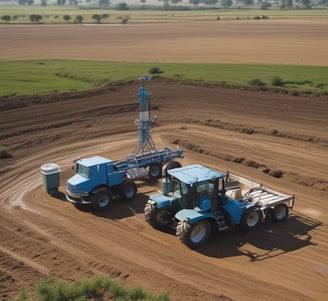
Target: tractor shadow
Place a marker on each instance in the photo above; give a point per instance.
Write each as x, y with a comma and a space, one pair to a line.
119, 208
269, 240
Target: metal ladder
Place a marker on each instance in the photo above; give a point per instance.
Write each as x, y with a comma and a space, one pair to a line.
220, 220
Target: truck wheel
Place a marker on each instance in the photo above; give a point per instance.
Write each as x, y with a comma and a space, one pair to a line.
128, 190
171, 165
155, 171
279, 213
102, 199
158, 218
194, 235
250, 220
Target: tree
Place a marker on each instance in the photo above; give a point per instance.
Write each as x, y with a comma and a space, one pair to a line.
123, 6
44, 3
79, 19
265, 5
247, 2
210, 2
35, 18
103, 2
61, 2
6, 18
97, 18
67, 18
226, 3
23, 2
289, 4
306, 3
194, 2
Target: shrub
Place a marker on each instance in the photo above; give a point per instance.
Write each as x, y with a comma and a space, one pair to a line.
277, 81
124, 20
274, 132
4, 153
276, 173
257, 82
155, 70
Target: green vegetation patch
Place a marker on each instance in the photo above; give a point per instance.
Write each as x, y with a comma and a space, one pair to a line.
4, 153
38, 77
97, 288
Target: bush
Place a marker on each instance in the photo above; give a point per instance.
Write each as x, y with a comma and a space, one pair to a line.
155, 70
257, 82
277, 81
4, 153
276, 173
96, 288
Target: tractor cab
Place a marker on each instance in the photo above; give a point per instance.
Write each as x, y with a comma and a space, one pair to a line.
199, 187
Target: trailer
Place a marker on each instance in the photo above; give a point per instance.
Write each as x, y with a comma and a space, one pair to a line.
98, 179
198, 201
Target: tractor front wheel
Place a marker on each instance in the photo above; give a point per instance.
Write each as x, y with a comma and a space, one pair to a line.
102, 199
128, 190
157, 217
194, 235
250, 220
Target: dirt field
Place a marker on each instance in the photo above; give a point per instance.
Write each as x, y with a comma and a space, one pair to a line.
237, 41
46, 236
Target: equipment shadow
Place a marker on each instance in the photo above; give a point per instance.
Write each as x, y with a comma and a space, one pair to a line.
269, 240
119, 208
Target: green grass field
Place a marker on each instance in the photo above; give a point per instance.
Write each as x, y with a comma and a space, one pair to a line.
53, 76
54, 14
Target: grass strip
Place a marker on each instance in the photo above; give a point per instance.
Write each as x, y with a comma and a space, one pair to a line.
38, 77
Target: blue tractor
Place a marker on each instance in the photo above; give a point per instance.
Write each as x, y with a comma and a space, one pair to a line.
198, 201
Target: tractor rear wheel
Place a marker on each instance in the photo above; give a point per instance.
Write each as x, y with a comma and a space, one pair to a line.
194, 235
128, 190
158, 218
279, 212
155, 170
102, 199
251, 219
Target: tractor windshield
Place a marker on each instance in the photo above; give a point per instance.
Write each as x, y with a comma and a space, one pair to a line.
187, 196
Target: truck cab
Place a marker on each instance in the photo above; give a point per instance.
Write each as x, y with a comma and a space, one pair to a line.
92, 174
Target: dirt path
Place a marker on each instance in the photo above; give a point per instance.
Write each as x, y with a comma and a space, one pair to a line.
44, 236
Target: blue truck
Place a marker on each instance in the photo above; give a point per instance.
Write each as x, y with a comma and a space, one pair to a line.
98, 179
198, 201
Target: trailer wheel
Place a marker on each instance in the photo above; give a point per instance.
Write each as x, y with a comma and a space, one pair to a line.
156, 217
250, 220
194, 235
279, 212
155, 171
171, 165
128, 190
102, 199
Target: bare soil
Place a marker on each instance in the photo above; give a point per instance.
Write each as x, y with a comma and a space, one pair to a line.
286, 41
242, 131
246, 132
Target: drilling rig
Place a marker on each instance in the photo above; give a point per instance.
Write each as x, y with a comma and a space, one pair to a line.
98, 179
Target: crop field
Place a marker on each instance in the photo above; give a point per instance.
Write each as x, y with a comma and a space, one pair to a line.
247, 131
